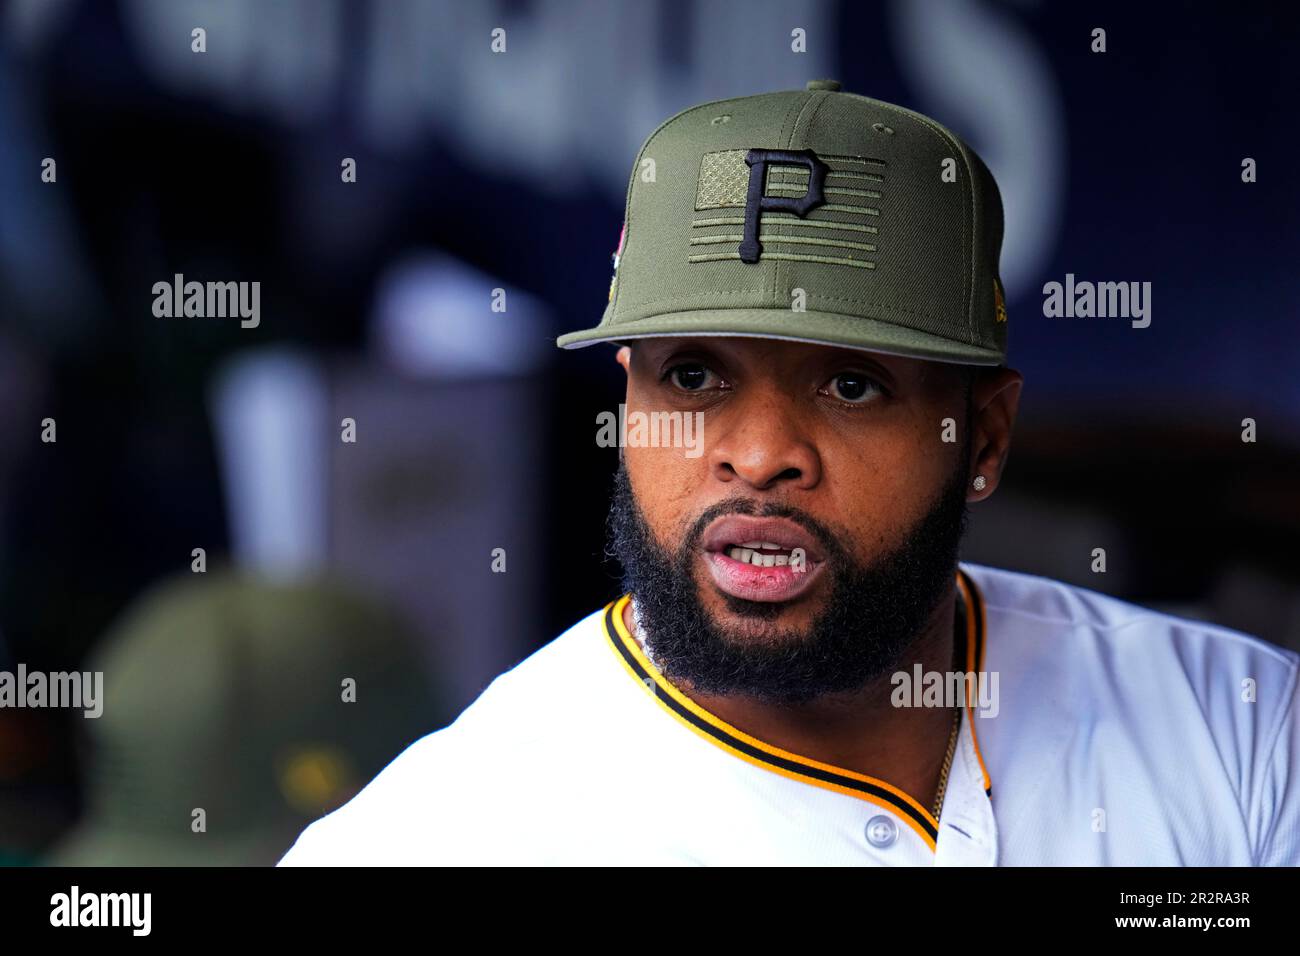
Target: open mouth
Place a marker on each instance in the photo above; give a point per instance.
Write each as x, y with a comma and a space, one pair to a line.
761, 559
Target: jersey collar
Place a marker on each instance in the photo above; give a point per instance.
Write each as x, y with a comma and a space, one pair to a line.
795, 766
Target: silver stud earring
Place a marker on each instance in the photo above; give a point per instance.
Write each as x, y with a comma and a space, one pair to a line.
979, 483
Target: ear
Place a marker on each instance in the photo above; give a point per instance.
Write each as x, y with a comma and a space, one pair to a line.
995, 398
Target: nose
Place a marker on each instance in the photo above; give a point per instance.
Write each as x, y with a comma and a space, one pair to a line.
763, 444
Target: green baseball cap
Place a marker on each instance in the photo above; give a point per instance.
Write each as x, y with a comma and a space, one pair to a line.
224, 691
815, 216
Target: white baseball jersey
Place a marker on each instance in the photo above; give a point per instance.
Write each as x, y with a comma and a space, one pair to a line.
1122, 737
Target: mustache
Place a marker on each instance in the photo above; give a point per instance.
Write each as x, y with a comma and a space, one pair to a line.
750, 507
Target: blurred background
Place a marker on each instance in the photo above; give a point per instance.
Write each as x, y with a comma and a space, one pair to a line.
197, 443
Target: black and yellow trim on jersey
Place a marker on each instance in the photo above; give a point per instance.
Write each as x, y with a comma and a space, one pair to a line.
755, 751
975, 638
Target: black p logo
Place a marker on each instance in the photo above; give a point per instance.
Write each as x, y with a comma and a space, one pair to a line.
756, 203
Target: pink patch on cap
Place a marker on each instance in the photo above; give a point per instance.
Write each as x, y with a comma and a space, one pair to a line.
619, 251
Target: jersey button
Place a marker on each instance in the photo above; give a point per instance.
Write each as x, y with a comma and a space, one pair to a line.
882, 831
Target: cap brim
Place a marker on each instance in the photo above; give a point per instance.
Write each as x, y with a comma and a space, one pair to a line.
818, 328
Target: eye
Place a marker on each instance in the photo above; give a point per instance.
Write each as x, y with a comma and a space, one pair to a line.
853, 388
693, 377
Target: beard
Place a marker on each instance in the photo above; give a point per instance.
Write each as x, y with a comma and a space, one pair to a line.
873, 612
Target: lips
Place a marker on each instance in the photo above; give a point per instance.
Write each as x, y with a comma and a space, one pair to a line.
738, 530
755, 559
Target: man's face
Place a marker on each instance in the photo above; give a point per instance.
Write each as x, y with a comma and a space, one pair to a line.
838, 452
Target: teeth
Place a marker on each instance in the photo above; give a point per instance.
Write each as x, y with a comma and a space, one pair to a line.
762, 546
756, 558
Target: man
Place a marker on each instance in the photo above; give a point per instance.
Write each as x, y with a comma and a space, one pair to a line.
812, 278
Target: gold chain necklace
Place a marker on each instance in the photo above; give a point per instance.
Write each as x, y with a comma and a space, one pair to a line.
956, 718
947, 761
